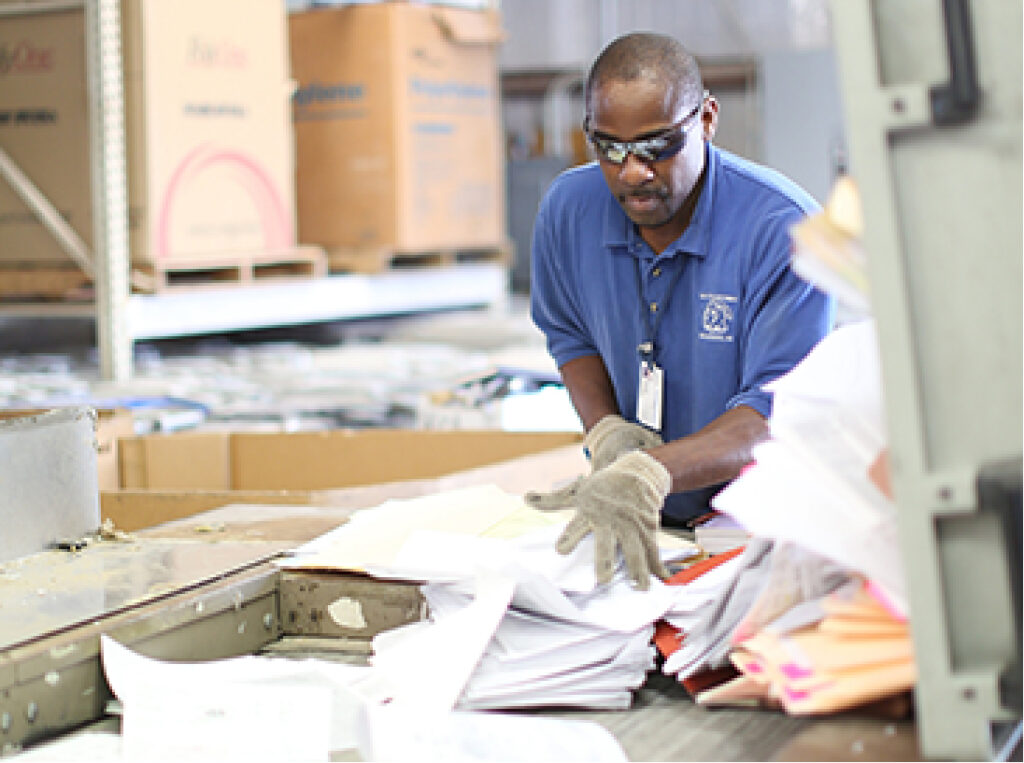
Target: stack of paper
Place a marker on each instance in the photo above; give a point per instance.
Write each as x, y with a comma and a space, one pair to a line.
266, 708
719, 533
373, 537
551, 638
512, 622
857, 652
724, 597
810, 483
732, 599
819, 523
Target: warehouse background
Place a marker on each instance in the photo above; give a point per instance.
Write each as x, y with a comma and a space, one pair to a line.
265, 159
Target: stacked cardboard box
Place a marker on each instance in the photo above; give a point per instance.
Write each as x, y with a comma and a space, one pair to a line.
209, 136
164, 477
397, 125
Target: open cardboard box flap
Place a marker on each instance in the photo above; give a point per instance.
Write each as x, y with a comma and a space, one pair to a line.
512, 461
469, 27
316, 460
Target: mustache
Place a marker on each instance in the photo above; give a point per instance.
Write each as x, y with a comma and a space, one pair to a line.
645, 193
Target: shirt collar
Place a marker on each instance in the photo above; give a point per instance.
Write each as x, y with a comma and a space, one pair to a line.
620, 233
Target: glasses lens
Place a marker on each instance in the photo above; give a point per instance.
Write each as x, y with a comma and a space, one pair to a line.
656, 149
660, 148
615, 153
610, 150
650, 150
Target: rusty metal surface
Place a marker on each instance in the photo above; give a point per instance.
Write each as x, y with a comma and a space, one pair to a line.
55, 682
343, 605
54, 590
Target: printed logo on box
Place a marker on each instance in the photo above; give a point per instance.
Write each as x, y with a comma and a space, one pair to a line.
449, 88
216, 54
23, 57
450, 96
9, 117
333, 100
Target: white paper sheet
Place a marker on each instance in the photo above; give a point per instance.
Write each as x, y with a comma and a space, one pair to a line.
371, 540
405, 734
777, 499
79, 746
809, 485
372, 537
248, 703
287, 722
540, 573
429, 670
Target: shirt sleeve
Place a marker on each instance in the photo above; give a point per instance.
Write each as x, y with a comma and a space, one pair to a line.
787, 316
554, 287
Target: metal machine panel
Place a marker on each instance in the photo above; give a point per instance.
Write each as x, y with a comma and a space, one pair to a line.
48, 473
932, 92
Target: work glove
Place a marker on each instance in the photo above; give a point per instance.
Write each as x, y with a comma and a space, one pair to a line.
612, 436
621, 505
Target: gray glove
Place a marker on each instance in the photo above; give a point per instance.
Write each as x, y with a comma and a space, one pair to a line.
612, 436
621, 505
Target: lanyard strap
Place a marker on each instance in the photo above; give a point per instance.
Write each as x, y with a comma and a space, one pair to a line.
646, 347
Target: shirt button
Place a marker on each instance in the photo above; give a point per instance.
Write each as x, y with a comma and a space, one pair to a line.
656, 272
654, 307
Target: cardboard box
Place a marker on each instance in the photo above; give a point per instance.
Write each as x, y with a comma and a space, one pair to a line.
44, 122
397, 127
208, 128
167, 477
315, 460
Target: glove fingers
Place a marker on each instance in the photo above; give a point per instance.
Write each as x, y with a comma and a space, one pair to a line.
556, 499
604, 554
635, 553
573, 533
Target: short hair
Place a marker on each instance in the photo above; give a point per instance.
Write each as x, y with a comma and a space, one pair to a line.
646, 55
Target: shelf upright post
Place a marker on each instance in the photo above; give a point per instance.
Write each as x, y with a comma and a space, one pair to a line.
109, 186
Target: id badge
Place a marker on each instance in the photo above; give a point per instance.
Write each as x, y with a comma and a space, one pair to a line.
648, 400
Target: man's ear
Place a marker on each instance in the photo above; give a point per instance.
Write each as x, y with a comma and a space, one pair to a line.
709, 117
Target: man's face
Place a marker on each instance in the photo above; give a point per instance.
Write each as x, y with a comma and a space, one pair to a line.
652, 192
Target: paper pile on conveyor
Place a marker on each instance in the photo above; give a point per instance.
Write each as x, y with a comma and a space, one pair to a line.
819, 525
266, 708
512, 622
810, 483
854, 651
552, 637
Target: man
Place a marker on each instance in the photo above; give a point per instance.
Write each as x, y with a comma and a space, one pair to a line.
661, 279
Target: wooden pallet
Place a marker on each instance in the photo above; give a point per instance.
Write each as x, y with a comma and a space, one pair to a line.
55, 282
379, 259
29, 282
241, 269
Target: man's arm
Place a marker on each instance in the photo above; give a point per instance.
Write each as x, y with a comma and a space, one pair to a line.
590, 389
716, 453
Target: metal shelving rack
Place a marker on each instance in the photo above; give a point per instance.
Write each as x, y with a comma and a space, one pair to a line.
122, 317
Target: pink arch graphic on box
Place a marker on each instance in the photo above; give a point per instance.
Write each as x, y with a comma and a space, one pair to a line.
277, 228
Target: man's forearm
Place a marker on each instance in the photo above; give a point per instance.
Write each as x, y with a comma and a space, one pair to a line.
717, 453
590, 389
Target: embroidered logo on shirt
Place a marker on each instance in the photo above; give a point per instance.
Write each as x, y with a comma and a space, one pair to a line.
717, 317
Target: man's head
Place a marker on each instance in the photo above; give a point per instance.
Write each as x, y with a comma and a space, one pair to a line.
647, 118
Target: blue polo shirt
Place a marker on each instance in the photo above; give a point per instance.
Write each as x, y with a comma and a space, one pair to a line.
736, 318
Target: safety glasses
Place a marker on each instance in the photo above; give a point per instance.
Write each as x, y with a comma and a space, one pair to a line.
654, 148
